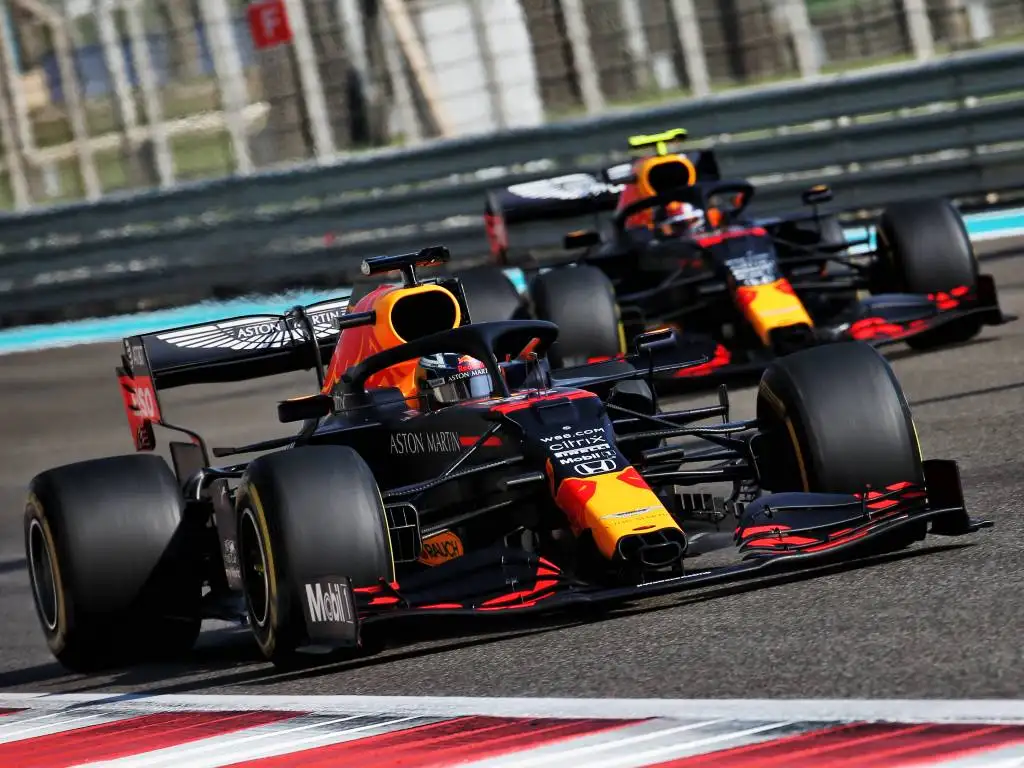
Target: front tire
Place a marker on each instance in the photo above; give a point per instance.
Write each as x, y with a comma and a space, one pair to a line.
925, 249
303, 514
112, 562
581, 302
836, 420
839, 417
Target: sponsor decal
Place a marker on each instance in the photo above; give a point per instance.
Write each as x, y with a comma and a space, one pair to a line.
403, 443
144, 401
587, 455
259, 332
440, 548
330, 612
330, 602
136, 357
632, 513
754, 268
580, 446
599, 467
576, 186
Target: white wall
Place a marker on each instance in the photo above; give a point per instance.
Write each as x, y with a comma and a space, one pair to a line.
473, 102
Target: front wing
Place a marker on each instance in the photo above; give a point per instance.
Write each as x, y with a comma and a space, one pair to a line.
781, 532
880, 321
891, 319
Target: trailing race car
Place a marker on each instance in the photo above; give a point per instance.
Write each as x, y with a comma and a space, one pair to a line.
680, 250
443, 468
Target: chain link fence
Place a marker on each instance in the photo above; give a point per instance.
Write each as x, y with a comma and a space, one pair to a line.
104, 96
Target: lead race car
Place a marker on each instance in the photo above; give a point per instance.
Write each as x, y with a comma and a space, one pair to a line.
443, 468
675, 245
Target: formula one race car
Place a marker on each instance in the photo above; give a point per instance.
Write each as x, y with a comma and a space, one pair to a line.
680, 250
444, 469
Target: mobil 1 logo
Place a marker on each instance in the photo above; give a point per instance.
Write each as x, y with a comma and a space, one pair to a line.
574, 446
330, 611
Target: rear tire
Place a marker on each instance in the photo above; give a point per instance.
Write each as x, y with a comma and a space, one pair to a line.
835, 420
303, 514
581, 302
490, 295
112, 563
925, 250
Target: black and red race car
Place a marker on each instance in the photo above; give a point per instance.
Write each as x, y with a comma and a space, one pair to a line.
443, 468
680, 250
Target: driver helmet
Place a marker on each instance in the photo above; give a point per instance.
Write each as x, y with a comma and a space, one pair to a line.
677, 219
448, 377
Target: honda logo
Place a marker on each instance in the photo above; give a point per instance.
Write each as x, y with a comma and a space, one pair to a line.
595, 467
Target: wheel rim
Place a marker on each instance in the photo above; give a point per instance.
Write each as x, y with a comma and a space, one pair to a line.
44, 584
254, 569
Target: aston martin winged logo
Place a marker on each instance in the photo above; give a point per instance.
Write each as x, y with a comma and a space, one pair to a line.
258, 331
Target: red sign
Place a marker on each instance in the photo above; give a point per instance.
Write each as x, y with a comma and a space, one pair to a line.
268, 23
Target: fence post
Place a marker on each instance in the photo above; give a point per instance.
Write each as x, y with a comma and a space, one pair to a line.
636, 42
583, 55
409, 44
15, 165
309, 78
921, 37
227, 62
73, 99
802, 34
405, 106
157, 127
479, 29
692, 42
18, 105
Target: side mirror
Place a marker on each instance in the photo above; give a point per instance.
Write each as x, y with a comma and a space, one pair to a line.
584, 238
817, 195
649, 341
304, 408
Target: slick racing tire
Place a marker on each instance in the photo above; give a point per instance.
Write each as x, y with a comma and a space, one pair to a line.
113, 562
834, 419
925, 248
490, 295
304, 514
581, 302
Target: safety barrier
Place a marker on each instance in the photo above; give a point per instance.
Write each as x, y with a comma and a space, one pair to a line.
949, 128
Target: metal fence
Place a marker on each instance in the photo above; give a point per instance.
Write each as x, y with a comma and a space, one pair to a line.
102, 96
948, 128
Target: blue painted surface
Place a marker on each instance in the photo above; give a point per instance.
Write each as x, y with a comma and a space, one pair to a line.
980, 226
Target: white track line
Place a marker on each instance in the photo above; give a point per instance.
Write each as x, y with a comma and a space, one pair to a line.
620, 750
32, 724
812, 710
305, 732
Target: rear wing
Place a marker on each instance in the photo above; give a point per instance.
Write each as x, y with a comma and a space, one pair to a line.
523, 221
232, 349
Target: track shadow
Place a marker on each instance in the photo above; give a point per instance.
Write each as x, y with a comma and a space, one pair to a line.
232, 663
969, 393
790, 577
13, 566
904, 353
230, 657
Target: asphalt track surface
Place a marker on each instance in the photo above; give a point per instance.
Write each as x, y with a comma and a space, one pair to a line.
944, 619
